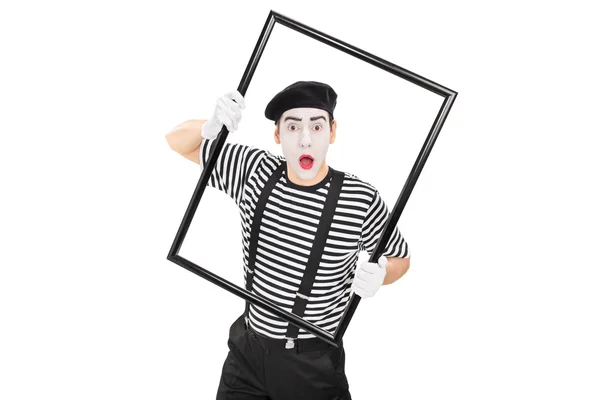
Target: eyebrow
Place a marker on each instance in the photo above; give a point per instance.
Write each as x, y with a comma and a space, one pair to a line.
300, 119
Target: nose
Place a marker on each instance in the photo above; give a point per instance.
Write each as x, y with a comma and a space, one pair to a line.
305, 140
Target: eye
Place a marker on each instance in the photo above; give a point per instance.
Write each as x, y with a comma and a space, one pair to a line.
292, 127
317, 127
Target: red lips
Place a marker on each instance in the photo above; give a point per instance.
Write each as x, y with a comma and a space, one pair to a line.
306, 161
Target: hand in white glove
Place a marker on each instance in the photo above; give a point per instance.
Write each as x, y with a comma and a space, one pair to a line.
369, 278
228, 112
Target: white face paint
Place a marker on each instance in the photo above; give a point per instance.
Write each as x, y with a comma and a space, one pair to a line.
305, 132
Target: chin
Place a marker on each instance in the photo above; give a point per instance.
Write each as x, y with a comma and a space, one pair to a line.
307, 175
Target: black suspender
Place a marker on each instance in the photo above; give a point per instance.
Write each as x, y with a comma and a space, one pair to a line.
310, 273
254, 230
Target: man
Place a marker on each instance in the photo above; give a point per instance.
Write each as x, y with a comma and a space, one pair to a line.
303, 225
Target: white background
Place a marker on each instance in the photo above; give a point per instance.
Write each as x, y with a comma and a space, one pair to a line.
501, 300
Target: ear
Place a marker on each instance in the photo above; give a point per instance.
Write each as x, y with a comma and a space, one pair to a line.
276, 135
333, 130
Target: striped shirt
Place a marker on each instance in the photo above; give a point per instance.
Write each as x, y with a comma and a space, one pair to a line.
287, 231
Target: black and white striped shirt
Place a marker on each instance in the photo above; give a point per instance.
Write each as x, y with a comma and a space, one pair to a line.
287, 231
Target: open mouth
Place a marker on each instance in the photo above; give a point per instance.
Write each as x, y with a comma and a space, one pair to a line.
306, 161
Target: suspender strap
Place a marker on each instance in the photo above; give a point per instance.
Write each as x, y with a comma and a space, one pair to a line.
310, 273
254, 230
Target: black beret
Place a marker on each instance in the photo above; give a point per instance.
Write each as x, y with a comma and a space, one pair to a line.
302, 94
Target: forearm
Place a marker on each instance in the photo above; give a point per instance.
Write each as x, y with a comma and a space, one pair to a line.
186, 137
395, 268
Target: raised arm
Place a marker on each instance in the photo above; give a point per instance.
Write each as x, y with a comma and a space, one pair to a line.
186, 137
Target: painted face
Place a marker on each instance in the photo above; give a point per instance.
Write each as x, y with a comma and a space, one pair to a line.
304, 135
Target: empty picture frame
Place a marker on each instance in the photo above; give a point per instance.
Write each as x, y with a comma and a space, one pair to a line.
448, 99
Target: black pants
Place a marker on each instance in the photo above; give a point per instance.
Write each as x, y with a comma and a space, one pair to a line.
261, 368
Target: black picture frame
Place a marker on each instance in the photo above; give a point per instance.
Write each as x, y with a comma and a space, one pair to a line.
449, 98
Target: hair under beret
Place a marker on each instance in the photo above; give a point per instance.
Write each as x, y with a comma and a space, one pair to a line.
302, 94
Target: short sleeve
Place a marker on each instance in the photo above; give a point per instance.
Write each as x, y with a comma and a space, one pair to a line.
373, 224
234, 166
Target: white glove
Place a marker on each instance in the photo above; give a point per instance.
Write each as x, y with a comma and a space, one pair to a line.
227, 112
369, 278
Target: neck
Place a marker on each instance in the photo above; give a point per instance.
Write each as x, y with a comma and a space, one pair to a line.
304, 182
